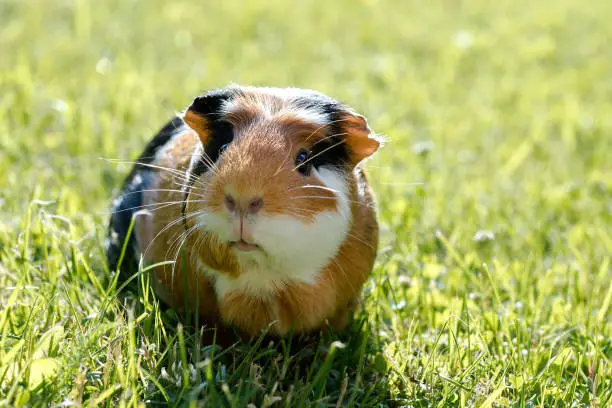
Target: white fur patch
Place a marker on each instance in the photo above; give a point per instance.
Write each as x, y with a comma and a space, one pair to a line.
136, 181
308, 115
117, 202
294, 250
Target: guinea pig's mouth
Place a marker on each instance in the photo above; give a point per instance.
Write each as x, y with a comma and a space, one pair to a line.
244, 246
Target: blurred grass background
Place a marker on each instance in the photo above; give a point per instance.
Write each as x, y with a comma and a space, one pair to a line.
493, 284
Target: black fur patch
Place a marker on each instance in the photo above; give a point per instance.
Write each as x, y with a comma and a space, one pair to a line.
331, 151
209, 106
222, 133
124, 207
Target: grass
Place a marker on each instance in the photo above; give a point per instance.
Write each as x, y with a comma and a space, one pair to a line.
493, 281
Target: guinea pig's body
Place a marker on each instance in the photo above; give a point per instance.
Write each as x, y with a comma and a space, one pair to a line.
256, 196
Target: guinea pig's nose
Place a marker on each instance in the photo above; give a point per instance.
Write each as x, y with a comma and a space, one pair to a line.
251, 206
255, 205
230, 203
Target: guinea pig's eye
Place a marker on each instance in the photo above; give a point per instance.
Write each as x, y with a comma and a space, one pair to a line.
301, 162
223, 148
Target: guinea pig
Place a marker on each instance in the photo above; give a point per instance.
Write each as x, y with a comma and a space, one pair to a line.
257, 198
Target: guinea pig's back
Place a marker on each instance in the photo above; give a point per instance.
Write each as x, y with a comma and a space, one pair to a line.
150, 194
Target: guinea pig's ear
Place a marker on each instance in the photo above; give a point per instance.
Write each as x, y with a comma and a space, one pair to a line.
203, 111
360, 140
197, 122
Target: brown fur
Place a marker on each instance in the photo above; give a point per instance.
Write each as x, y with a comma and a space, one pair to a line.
306, 307
303, 307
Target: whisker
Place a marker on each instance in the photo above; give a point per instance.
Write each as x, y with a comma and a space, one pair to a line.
208, 161
346, 277
280, 167
152, 157
300, 209
324, 125
323, 197
143, 207
204, 184
212, 166
178, 250
329, 137
300, 216
182, 174
351, 235
315, 186
330, 198
191, 187
170, 225
198, 245
175, 239
318, 154
149, 165
161, 205
155, 190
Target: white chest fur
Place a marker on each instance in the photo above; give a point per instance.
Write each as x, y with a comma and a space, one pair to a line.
295, 251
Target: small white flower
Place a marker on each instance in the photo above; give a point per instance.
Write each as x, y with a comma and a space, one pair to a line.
463, 39
404, 280
164, 374
483, 236
192, 372
103, 66
60, 106
399, 305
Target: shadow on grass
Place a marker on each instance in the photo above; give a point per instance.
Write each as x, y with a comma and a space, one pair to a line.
215, 367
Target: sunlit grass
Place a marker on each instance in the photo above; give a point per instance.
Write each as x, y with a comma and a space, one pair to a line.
493, 283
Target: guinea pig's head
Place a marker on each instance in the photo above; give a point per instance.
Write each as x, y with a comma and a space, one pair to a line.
272, 182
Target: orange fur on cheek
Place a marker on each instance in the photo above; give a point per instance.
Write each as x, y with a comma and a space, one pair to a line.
217, 255
211, 251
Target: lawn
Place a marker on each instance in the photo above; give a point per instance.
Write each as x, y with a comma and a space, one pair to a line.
493, 283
